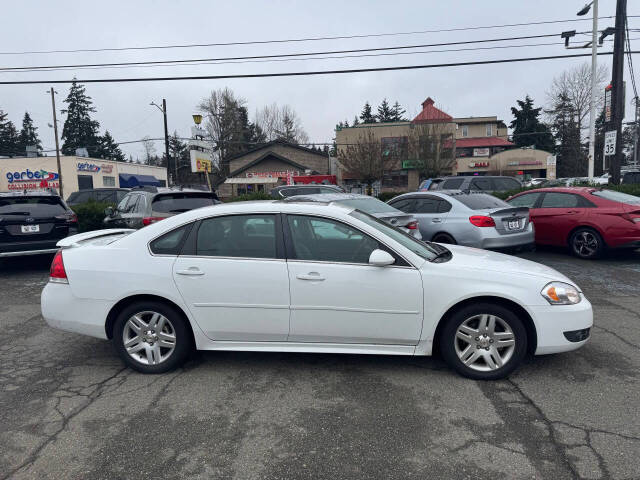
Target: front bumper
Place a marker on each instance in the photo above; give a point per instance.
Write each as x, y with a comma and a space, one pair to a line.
556, 326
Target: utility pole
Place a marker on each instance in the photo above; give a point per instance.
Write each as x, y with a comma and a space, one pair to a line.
592, 101
163, 109
55, 132
617, 83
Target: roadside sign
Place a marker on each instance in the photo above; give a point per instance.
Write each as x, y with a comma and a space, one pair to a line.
200, 161
607, 103
610, 142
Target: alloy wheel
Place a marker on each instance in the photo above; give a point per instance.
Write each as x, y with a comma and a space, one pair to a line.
484, 342
585, 244
149, 337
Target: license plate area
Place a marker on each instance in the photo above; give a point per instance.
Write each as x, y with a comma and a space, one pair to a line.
30, 228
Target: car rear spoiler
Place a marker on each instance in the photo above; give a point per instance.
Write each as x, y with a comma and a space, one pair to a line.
95, 236
512, 210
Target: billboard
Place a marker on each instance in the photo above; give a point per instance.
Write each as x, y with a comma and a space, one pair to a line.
200, 161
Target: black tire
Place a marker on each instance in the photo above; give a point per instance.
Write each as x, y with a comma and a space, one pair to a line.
444, 238
450, 344
586, 243
176, 327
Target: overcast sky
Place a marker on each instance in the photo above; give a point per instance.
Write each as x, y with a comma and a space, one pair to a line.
321, 101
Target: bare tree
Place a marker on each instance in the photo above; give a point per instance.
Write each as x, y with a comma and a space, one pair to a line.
431, 148
576, 85
149, 150
365, 159
281, 123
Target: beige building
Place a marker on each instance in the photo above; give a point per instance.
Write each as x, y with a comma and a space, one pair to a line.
272, 164
480, 144
78, 173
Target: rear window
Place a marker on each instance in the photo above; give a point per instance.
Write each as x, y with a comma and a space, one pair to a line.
181, 202
368, 205
481, 201
504, 184
170, 243
452, 184
618, 197
32, 206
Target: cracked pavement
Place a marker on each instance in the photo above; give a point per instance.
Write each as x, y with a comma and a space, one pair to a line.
68, 408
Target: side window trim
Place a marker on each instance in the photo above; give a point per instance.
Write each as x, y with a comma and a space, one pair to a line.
290, 252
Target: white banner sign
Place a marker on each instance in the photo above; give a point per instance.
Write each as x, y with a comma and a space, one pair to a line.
200, 161
480, 152
610, 142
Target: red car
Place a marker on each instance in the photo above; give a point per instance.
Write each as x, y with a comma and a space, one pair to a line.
588, 220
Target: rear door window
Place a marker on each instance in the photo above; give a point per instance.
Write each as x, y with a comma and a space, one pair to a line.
406, 205
526, 200
170, 243
451, 184
444, 206
427, 205
504, 184
246, 236
180, 202
560, 200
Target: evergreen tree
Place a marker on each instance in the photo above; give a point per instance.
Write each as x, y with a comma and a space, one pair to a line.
346, 123
28, 134
79, 131
9, 139
398, 113
385, 112
528, 131
571, 156
367, 115
109, 149
355, 122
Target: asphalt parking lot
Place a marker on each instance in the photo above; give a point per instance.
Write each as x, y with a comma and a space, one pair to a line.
68, 408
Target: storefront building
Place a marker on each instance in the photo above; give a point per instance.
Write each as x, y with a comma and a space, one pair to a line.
78, 173
272, 164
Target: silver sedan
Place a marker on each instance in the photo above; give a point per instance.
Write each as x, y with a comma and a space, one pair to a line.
467, 218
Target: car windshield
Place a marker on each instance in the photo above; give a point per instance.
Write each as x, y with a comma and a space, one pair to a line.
422, 249
480, 201
368, 205
34, 206
617, 196
181, 202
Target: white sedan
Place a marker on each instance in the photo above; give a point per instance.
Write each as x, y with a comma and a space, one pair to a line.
306, 277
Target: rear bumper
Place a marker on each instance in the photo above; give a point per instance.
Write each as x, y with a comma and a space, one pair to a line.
495, 241
61, 309
15, 249
44, 251
556, 326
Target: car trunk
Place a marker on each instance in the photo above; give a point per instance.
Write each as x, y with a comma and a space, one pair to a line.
508, 220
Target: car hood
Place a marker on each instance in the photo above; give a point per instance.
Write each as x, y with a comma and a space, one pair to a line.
487, 261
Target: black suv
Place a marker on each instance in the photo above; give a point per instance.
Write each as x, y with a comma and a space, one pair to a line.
285, 191
102, 195
147, 205
476, 183
32, 223
630, 177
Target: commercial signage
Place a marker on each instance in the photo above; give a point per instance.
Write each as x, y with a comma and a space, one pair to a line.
32, 180
524, 163
106, 168
281, 174
551, 161
480, 152
610, 142
88, 167
607, 102
478, 164
201, 161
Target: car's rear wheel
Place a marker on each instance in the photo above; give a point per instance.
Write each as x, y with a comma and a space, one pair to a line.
444, 238
151, 337
586, 243
484, 341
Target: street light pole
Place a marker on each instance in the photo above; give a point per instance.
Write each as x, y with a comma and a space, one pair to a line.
163, 109
55, 132
592, 101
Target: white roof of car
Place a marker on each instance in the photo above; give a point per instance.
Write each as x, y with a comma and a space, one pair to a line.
326, 197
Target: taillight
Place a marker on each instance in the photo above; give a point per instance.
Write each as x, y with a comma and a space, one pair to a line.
57, 273
482, 221
149, 220
633, 217
412, 225
69, 217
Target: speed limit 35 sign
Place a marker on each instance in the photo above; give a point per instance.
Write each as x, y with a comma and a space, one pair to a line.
610, 142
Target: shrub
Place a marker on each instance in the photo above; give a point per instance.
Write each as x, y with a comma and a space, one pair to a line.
250, 197
90, 215
386, 196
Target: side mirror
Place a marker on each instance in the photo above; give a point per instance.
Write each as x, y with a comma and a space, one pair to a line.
380, 258
108, 211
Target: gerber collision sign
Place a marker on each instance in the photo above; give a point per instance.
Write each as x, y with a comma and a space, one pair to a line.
30, 180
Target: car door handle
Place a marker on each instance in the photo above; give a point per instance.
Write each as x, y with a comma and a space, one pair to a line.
192, 271
436, 220
573, 211
313, 276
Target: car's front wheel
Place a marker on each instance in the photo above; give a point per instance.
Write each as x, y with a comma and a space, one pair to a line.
151, 337
484, 341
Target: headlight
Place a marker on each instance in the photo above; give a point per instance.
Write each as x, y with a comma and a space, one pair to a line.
559, 293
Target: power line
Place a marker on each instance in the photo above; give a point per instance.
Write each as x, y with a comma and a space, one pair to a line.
299, 54
297, 74
630, 60
308, 39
